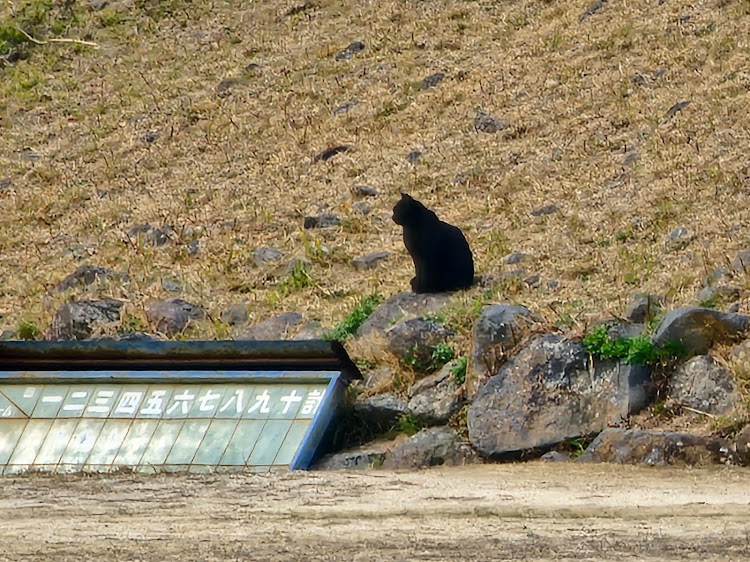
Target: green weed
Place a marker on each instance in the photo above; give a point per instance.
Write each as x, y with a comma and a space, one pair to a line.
349, 325
638, 350
28, 330
458, 371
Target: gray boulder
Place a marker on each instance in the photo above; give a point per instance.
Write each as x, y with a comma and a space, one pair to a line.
414, 341
400, 306
85, 318
643, 307
702, 384
310, 331
275, 328
360, 458
381, 410
549, 392
435, 399
718, 295
658, 448
434, 446
742, 444
172, 316
696, 329
498, 328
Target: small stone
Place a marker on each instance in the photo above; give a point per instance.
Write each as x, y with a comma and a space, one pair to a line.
344, 107
432, 80
369, 261
264, 255
150, 137
325, 220
591, 10
5, 184
678, 238
553, 284
741, 263
171, 285
275, 328
235, 315
310, 331
193, 248
545, 210
224, 88
172, 316
362, 208
631, 158
413, 156
85, 275
533, 281
718, 295
365, 191
643, 307
157, 237
360, 458
555, 456
718, 275
382, 410
676, 108
329, 153
516, 258
353, 48
487, 124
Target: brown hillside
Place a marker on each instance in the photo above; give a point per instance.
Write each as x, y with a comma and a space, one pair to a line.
142, 129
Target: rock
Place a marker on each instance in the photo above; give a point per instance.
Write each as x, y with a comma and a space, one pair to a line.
325, 220
704, 385
344, 107
369, 261
413, 156
127, 336
309, 331
658, 448
718, 275
435, 399
150, 235
171, 284
696, 329
741, 263
487, 124
555, 456
297, 264
498, 328
414, 341
172, 316
434, 446
718, 295
676, 108
516, 258
399, 306
329, 153
85, 275
432, 80
359, 458
264, 255
381, 410
193, 248
7, 335
353, 48
545, 210
82, 319
548, 393
5, 184
678, 238
643, 307
742, 444
591, 10
625, 330
364, 191
235, 315
376, 379
362, 208
276, 328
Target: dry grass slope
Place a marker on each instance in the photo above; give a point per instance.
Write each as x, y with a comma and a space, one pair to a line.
97, 140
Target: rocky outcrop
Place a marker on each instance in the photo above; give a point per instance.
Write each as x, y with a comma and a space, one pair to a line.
436, 398
549, 392
702, 384
658, 448
275, 328
434, 446
172, 316
414, 341
498, 329
401, 306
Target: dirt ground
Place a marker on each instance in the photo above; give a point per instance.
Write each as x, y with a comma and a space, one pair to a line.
532, 511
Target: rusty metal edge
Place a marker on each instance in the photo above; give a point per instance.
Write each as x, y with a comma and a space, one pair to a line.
138, 355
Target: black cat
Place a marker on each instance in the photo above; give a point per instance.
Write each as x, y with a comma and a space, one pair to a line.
441, 254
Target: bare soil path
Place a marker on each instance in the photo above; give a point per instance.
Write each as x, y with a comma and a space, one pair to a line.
492, 512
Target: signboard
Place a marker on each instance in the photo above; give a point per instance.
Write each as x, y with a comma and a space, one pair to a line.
178, 419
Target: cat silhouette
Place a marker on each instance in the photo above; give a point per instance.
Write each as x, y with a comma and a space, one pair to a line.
441, 254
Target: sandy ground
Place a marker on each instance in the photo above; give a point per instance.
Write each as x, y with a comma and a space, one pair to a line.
527, 511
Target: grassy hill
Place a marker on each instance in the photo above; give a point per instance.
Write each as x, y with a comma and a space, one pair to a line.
207, 117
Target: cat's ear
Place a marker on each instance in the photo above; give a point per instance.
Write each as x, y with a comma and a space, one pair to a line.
406, 196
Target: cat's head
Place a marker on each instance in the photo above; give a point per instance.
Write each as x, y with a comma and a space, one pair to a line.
407, 209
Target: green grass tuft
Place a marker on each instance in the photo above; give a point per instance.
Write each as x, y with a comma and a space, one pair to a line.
349, 325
